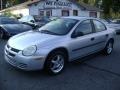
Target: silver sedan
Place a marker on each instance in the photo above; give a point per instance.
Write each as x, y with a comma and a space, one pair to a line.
54, 44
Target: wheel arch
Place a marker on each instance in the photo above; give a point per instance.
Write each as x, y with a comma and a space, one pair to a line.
3, 29
46, 64
4, 32
63, 49
111, 39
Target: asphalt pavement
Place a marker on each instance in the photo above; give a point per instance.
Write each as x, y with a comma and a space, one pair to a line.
96, 72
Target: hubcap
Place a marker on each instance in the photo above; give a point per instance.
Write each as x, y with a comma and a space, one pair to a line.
57, 63
109, 48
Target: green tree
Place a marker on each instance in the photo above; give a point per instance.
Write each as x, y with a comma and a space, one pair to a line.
116, 6
111, 8
9, 14
86, 1
107, 4
15, 1
91, 2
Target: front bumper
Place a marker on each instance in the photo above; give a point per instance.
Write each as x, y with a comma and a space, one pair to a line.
26, 63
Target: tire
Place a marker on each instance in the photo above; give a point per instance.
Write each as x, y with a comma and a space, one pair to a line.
1, 34
55, 63
109, 48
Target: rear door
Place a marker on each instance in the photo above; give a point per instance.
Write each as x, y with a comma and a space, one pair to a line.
100, 34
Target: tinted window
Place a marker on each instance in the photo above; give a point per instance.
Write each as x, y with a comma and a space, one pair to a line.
58, 26
9, 21
75, 12
99, 26
84, 27
44, 19
65, 12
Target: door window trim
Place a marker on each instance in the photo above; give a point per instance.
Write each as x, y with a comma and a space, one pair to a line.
92, 20
93, 31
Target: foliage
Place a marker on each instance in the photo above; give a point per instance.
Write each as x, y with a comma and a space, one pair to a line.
107, 4
9, 14
111, 8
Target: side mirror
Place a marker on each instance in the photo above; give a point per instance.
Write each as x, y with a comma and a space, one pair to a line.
35, 26
77, 34
32, 21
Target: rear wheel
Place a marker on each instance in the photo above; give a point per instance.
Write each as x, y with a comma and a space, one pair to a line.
109, 48
55, 62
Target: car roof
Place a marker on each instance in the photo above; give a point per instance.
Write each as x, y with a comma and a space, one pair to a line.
5, 18
79, 18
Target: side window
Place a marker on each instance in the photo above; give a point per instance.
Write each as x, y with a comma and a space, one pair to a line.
75, 12
84, 27
5, 21
99, 26
9, 21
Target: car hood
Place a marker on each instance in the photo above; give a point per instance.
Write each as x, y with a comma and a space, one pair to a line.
114, 26
26, 39
16, 28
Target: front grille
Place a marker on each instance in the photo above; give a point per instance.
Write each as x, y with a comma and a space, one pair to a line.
22, 65
16, 63
15, 50
11, 52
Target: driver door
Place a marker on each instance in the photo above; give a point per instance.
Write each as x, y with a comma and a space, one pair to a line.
82, 44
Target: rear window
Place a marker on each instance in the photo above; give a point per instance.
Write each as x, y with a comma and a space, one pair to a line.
99, 26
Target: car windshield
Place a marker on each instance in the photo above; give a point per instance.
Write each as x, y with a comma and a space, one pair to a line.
27, 18
58, 26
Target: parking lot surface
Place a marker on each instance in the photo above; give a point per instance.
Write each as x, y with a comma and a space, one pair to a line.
97, 72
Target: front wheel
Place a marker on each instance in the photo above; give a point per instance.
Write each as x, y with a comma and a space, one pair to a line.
55, 62
109, 48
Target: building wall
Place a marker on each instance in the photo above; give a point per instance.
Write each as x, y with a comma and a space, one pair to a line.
84, 13
24, 11
56, 12
35, 9
98, 14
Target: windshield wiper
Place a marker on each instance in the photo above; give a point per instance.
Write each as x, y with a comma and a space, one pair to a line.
48, 32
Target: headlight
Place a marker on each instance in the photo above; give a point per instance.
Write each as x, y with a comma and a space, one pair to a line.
29, 51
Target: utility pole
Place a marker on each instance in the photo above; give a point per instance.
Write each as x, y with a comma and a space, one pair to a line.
1, 2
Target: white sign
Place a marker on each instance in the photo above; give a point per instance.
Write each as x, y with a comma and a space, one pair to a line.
57, 4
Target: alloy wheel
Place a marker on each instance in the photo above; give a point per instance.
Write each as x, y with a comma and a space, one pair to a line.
109, 47
57, 63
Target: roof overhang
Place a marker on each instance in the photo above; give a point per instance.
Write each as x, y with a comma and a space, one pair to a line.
20, 6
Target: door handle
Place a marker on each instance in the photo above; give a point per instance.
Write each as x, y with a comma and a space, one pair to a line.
92, 39
107, 35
